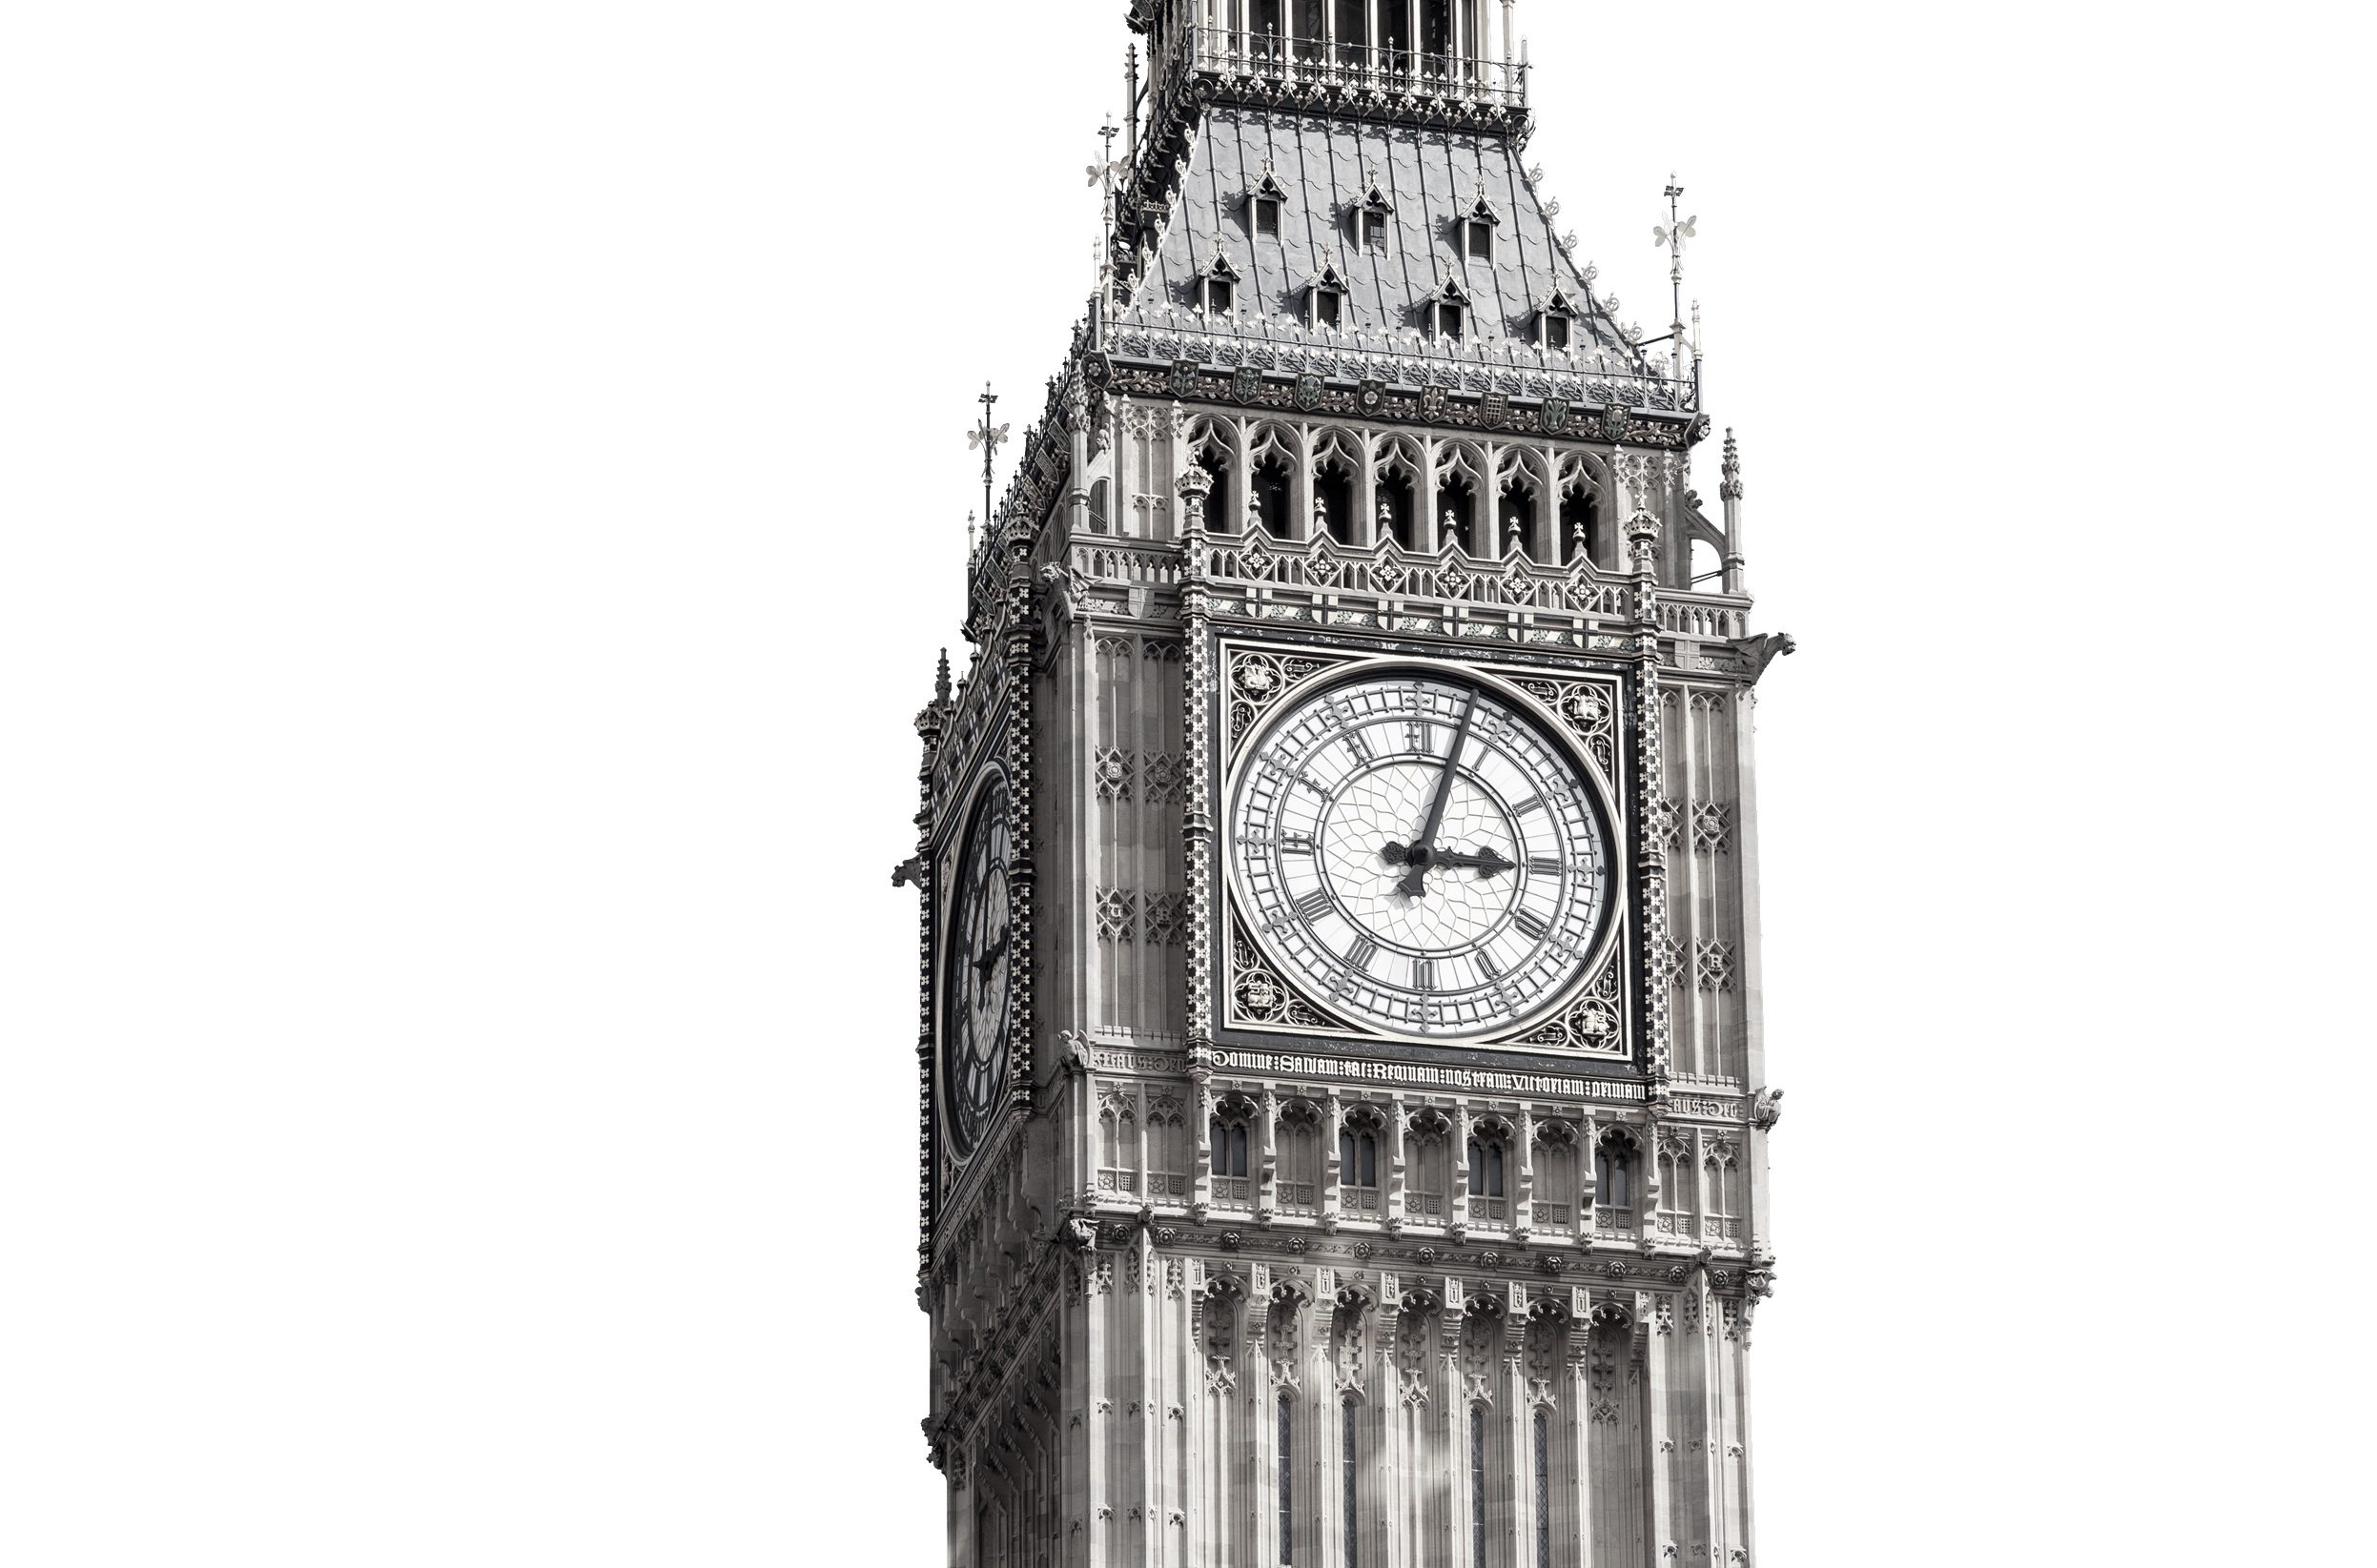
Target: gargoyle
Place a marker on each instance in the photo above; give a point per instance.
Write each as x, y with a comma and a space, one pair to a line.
1759, 651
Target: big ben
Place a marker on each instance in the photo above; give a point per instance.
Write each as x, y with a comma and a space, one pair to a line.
1341, 1087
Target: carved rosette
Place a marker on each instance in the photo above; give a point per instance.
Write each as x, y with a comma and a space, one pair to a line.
1588, 710
1595, 1021
1256, 680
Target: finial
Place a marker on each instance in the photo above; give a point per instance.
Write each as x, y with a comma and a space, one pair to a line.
987, 441
1729, 488
940, 680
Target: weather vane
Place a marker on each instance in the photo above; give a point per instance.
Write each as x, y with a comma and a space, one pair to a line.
988, 442
1671, 234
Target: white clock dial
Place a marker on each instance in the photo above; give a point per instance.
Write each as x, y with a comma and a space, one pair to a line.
974, 987
1420, 855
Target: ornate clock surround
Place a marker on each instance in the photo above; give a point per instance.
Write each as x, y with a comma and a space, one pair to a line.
1595, 1028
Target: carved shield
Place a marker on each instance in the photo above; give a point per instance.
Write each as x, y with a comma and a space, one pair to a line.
1183, 377
1308, 392
1554, 416
1613, 422
1372, 396
1246, 384
1494, 409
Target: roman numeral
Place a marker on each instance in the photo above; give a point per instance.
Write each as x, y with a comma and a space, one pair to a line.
1315, 903
1359, 954
1543, 865
1296, 843
1486, 961
1533, 803
1305, 779
1360, 747
1423, 739
1525, 920
1424, 974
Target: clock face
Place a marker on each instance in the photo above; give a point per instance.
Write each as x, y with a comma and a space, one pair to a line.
974, 1000
1420, 855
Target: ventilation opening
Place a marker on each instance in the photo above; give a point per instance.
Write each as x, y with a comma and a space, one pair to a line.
1456, 514
1270, 494
1579, 527
1333, 503
1396, 509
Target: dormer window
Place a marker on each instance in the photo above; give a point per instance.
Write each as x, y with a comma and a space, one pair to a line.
1269, 203
1371, 214
1325, 297
1477, 228
1555, 320
1217, 286
1448, 311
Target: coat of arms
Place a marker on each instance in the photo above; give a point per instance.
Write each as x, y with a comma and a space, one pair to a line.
1493, 410
1372, 396
1613, 422
1183, 377
1554, 416
1308, 392
1246, 384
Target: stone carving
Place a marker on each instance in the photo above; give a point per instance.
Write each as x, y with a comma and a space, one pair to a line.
1114, 774
1116, 914
1713, 965
1713, 827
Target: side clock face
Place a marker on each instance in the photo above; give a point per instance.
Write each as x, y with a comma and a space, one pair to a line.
974, 1001
1420, 856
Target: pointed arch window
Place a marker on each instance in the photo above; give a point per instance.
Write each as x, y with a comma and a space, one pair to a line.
1614, 1180
1267, 204
1489, 1178
1226, 1132
1217, 286
1555, 321
1358, 1162
1296, 1184
1373, 217
1324, 298
1118, 1143
1447, 310
1477, 228
1557, 1177
1431, 1166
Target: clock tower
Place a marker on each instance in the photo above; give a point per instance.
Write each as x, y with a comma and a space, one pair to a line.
1342, 1094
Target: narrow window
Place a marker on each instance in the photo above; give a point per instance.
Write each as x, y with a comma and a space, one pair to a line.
1353, 1532
1267, 215
1543, 1490
1480, 239
1217, 296
1448, 321
1288, 1511
1477, 1486
1613, 1168
1374, 230
1328, 307
1556, 332
1238, 1152
1493, 1171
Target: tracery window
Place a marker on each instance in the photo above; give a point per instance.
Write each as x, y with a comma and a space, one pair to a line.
1227, 1134
1721, 1192
1167, 1152
1580, 525
1430, 1157
1358, 1163
1333, 501
1297, 1185
1488, 1190
1117, 1145
1557, 1176
1614, 1180
1270, 486
1456, 507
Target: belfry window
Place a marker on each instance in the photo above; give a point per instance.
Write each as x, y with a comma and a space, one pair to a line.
1449, 322
1216, 285
1476, 229
1555, 332
1269, 203
1370, 217
1447, 309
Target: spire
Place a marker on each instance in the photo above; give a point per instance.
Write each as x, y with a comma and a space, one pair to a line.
940, 680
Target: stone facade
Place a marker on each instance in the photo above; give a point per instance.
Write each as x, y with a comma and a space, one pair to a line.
1219, 1278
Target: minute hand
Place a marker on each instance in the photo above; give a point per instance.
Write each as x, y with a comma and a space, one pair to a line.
1415, 882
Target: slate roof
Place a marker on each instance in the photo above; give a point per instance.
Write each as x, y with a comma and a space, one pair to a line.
1431, 175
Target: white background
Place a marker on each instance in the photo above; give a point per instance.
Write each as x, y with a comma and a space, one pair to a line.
484, 488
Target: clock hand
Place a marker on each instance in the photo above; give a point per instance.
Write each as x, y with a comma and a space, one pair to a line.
1487, 860
982, 964
1415, 882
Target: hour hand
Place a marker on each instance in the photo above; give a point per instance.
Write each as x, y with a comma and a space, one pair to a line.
990, 955
1486, 861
